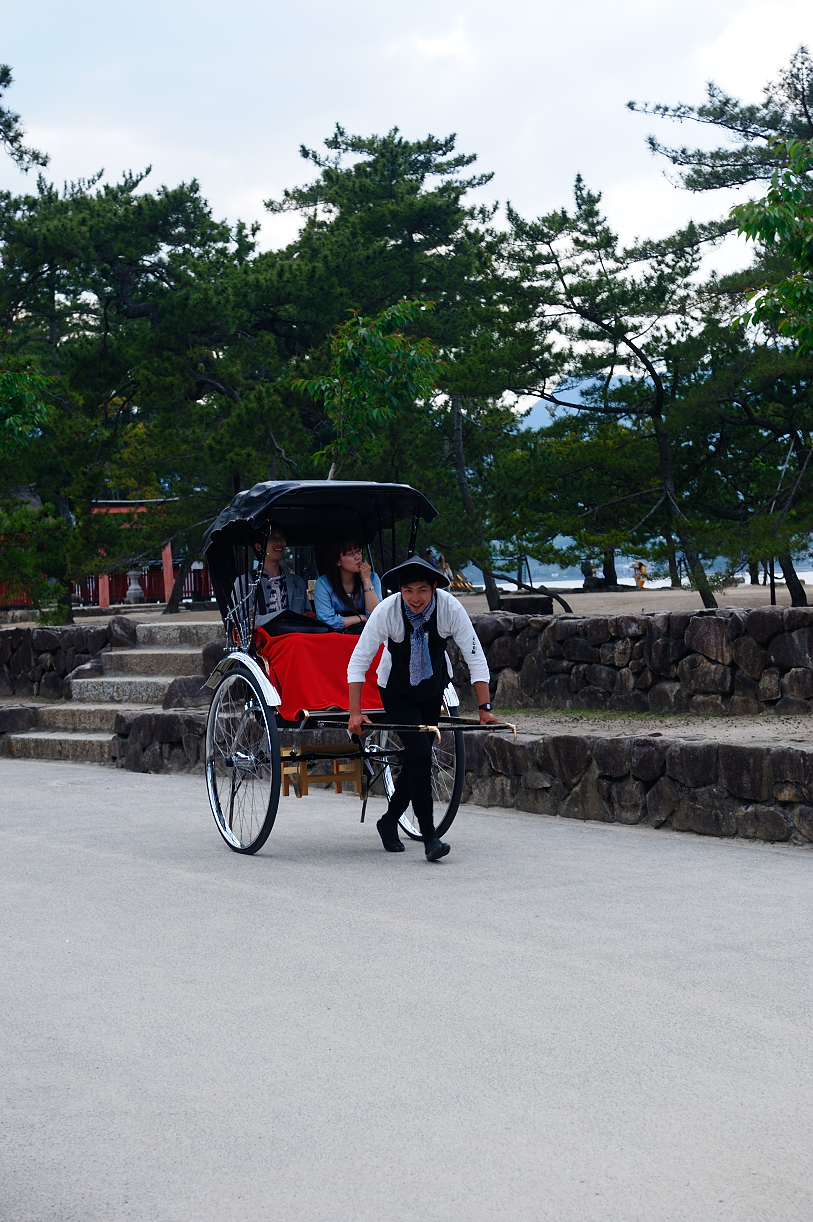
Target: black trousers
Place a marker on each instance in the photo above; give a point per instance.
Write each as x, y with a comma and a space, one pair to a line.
414, 783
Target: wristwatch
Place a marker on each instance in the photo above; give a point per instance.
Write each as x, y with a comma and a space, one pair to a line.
485, 707
368, 589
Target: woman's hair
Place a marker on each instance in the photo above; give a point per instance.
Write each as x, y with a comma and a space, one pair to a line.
332, 556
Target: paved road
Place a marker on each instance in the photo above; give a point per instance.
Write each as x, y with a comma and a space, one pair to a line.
562, 1022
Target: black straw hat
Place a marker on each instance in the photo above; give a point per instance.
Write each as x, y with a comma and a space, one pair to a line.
411, 570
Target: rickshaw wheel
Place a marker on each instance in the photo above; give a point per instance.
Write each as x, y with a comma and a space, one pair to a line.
448, 774
243, 764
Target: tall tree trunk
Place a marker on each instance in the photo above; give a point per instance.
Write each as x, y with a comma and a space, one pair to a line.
679, 524
674, 575
492, 589
796, 590
608, 568
174, 604
753, 571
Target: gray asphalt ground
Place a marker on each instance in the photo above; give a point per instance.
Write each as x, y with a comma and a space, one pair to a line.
562, 1021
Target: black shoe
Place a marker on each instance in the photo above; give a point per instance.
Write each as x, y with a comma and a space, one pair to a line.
389, 836
435, 848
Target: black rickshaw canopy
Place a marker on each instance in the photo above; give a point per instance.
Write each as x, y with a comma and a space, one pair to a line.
310, 512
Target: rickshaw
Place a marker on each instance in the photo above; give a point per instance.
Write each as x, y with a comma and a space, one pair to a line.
297, 684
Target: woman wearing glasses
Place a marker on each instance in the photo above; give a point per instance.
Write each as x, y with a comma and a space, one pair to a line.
348, 589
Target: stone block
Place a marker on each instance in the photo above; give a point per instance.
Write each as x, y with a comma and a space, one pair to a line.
532, 674
489, 627
494, 790
16, 719
51, 686
744, 706
803, 821
121, 632
798, 617
153, 759
630, 625
539, 622
568, 756
508, 694
177, 760
45, 640
576, 649
503, 652
645, 679
58, 662
764, 823
555, 692
665, 651
564, 627
591, 698
556, 666
141, 729
768, 687
585, 801
123, 723
792, 765
476, 759
546, 801
96, 639
601, 676
526, 641
709, 706
708, 812
534, 779
577, 677
788, 707
596, 630
763, 623
624, 682
701, 675
661, 697
692, 764
629, 801
5, 649
611, 756
746, 772
134, 759
706, 635
798, 683
634, 702
789, 649
91, 669
678, 623
23, 657
735, 624
506, 756
750, 657
647, 758
785, 792
167, 727
187, 692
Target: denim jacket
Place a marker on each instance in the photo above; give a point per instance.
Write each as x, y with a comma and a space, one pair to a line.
329, 607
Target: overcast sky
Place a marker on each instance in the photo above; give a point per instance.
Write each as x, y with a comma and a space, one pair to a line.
226, 93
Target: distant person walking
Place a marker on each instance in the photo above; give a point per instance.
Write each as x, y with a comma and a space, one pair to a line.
640, 574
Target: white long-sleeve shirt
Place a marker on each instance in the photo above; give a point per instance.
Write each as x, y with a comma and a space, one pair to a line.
386, 621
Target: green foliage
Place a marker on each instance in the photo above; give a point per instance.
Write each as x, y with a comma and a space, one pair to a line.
783, 221
11, 130
23, 411
31, 543
375, 370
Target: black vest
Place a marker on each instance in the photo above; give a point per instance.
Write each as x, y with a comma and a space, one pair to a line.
429, 688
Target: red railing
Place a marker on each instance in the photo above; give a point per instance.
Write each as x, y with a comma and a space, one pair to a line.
197, 586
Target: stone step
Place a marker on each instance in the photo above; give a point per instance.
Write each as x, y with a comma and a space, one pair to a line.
76, 718
130, 689
192, 633
46, 745
169, 660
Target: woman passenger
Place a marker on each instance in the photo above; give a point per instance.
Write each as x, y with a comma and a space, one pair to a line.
348, 590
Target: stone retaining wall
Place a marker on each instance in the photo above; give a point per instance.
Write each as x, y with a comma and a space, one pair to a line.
714, 789
706, 662
39, 661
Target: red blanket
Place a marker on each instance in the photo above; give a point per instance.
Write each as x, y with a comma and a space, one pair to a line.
309, 670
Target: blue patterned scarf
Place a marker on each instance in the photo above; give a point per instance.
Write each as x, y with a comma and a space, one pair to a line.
420, 663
